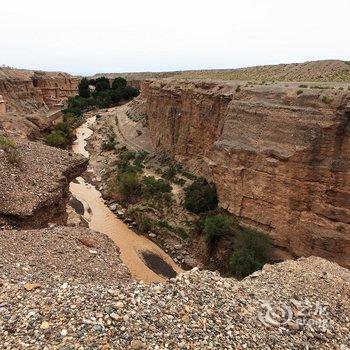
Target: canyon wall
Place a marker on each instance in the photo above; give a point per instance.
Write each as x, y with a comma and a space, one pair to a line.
29, 91
279, 155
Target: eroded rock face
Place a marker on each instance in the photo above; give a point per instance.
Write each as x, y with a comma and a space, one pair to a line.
34, 186
280, 160
29, 91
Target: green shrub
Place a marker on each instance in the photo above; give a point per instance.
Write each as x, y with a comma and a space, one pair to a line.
14, 157
71, 118
146, 225
103, 99
169, 173
200, 197
57, 139
153, 187
327, 99
109, 144
6, 143
179, 181
217, 226
10, 148
64, 128
299, 92
238, 88
128, 186
189, 175
252, 249
180, 231
164, 224
123, 163
303, 86
139, 159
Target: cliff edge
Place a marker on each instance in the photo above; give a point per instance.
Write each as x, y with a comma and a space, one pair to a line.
278, 154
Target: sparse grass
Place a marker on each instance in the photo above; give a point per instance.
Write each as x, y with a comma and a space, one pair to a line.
10, 147
321, 87
110, 143
14, 156
327, 99
7, 143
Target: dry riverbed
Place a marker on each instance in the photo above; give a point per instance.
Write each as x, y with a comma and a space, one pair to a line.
103, 162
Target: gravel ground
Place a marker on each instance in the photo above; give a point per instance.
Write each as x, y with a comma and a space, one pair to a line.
196, 310
59, 254
40, 177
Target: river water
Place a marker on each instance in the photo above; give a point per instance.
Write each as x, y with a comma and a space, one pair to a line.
145, 260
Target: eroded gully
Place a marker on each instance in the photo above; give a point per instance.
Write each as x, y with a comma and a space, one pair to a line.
145, 260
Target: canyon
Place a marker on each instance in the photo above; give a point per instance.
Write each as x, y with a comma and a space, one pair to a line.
74, 275
278, 155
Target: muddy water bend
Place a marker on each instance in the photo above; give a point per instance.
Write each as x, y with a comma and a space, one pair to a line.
134, 249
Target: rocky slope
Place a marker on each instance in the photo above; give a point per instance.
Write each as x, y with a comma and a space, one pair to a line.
316, 71
29, 91
278, 154
292, 305
34, 185
60, 253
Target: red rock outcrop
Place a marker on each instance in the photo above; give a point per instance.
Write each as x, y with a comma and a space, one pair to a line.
280, 158
29, 91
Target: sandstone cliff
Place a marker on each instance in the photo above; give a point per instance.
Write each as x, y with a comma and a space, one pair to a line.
280, 158
34, 185
28, 91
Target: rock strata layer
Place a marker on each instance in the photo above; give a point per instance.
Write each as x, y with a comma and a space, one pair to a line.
29, 91
279, 155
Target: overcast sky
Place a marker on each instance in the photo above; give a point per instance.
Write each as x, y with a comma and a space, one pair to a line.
83, 36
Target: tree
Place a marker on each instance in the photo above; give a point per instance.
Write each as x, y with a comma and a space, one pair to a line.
252, 250
84, 88
217, 226
200, 197
119, 83
102, 84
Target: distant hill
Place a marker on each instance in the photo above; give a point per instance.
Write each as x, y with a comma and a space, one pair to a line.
314, 71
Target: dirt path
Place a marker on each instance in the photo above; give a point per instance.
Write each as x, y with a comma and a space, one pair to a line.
127, 130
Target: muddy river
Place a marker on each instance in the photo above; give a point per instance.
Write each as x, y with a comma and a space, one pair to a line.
145, 260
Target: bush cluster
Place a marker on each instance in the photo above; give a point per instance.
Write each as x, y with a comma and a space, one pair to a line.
110, 143
153, 187
200, 197
129, 184
252, 250
217, 226
103, 96
62, 134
